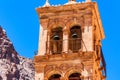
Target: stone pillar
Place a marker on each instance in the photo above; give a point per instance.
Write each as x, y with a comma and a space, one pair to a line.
86, 78
48, 42
42, 41
65, 41
85, 75
39, 76
62, 78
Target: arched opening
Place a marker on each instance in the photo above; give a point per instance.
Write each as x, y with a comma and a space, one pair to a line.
55, 77
56, 40
74, 76
75, 37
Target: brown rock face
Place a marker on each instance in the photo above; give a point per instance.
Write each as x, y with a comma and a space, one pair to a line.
13, 66
7, 50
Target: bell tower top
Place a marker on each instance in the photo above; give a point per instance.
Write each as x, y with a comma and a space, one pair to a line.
70, 45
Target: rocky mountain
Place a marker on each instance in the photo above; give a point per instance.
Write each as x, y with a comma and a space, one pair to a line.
12, 65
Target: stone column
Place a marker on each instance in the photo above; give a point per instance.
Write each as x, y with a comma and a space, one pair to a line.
86, 78
48, 42
39, 76
42, 41
62, 78
65, 40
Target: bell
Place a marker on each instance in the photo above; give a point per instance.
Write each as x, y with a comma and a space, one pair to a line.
56, 37
74, 35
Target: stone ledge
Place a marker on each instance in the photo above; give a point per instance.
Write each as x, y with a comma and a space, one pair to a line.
62, 57
80, 6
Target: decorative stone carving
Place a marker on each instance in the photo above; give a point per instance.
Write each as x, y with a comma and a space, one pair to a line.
48, 68
64, 67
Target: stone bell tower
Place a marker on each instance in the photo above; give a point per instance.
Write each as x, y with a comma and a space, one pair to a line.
70, 42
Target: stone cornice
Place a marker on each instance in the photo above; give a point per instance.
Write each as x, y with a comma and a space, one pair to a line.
54, 9
63, 57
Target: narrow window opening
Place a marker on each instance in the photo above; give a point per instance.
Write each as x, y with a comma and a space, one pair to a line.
74, 76
56, 39
75, 38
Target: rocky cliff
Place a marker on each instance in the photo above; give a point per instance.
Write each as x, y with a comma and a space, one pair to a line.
12, 65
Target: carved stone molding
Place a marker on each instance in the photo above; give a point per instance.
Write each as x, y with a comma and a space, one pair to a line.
48, 68
64, 67
69, 56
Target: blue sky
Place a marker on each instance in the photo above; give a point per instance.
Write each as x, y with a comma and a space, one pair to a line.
20, 20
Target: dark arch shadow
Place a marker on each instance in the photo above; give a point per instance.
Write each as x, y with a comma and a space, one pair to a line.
75, 76
55, 77
75, 37
56, 40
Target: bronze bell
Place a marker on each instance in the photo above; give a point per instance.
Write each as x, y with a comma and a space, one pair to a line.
74, 35
56, 37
